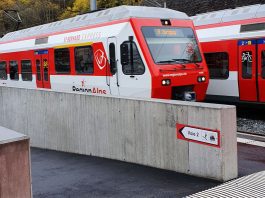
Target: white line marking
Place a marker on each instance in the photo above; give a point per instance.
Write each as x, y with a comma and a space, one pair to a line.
251, 142
248, 186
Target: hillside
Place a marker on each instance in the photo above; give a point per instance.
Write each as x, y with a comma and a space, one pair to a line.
193, 7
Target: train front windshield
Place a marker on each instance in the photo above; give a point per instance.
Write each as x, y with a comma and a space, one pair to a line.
172, 45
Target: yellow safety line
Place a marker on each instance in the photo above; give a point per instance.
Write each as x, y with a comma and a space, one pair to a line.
73, 45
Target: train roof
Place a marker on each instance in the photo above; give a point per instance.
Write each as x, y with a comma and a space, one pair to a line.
228, 15
111, 14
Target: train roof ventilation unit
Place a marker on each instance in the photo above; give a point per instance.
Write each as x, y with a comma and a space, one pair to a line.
208, 18
240, 13
261, 11
117, 13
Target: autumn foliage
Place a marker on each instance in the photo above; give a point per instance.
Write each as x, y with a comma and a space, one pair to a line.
36, 12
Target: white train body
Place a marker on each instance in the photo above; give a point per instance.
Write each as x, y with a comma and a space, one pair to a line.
74, 55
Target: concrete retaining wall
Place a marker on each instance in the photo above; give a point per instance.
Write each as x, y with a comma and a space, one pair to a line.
138, 131
15, 179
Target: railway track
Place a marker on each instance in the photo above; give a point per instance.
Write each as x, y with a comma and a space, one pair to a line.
251, 120
250, 117
250, 126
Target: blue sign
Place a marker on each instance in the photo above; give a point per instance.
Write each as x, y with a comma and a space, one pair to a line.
261, 41
39, 52
247, 42
251, 42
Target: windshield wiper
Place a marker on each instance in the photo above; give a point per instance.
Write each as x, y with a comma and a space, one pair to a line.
197, 64
181, 63
188, 61
173, 61
167, 61
183, 60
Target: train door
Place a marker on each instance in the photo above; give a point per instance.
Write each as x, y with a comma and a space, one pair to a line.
134, 78
112, 71
261, 70
42, 69
247, 71
251, 70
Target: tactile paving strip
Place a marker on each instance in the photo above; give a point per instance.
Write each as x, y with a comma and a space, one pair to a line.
248, 186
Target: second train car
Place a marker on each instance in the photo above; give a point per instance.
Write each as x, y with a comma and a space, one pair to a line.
233, 43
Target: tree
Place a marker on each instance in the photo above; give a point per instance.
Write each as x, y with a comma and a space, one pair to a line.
37, 12
113, 3
32, 12
4, 25
82, 6
78, 7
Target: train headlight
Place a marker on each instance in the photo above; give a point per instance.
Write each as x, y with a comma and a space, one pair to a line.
166, 82
165, 22
201, 79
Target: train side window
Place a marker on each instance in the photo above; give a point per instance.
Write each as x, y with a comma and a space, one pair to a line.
38, 69
112, 57
84, 60
218, 64
13, 67
26, 70
263, 64
62, 60
246, 64
3, 69
131, 61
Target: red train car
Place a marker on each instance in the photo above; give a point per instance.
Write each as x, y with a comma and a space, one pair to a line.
128, 51
233, 43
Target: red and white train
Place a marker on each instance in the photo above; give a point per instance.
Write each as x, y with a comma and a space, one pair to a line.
128, 51
233, 43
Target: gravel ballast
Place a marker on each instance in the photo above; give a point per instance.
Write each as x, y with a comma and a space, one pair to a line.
251, 126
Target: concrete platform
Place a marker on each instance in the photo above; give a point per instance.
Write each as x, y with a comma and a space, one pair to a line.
58, 174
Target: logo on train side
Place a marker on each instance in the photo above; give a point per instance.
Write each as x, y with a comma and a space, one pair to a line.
83, 88
100, 59
83, 83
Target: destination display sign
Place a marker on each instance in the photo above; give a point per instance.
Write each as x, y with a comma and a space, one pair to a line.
199, 135
165, 32
169, 32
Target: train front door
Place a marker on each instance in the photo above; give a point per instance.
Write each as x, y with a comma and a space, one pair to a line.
112, 71
42, 69
251, 75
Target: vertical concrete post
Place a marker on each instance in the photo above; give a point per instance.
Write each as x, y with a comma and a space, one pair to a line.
15, 179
